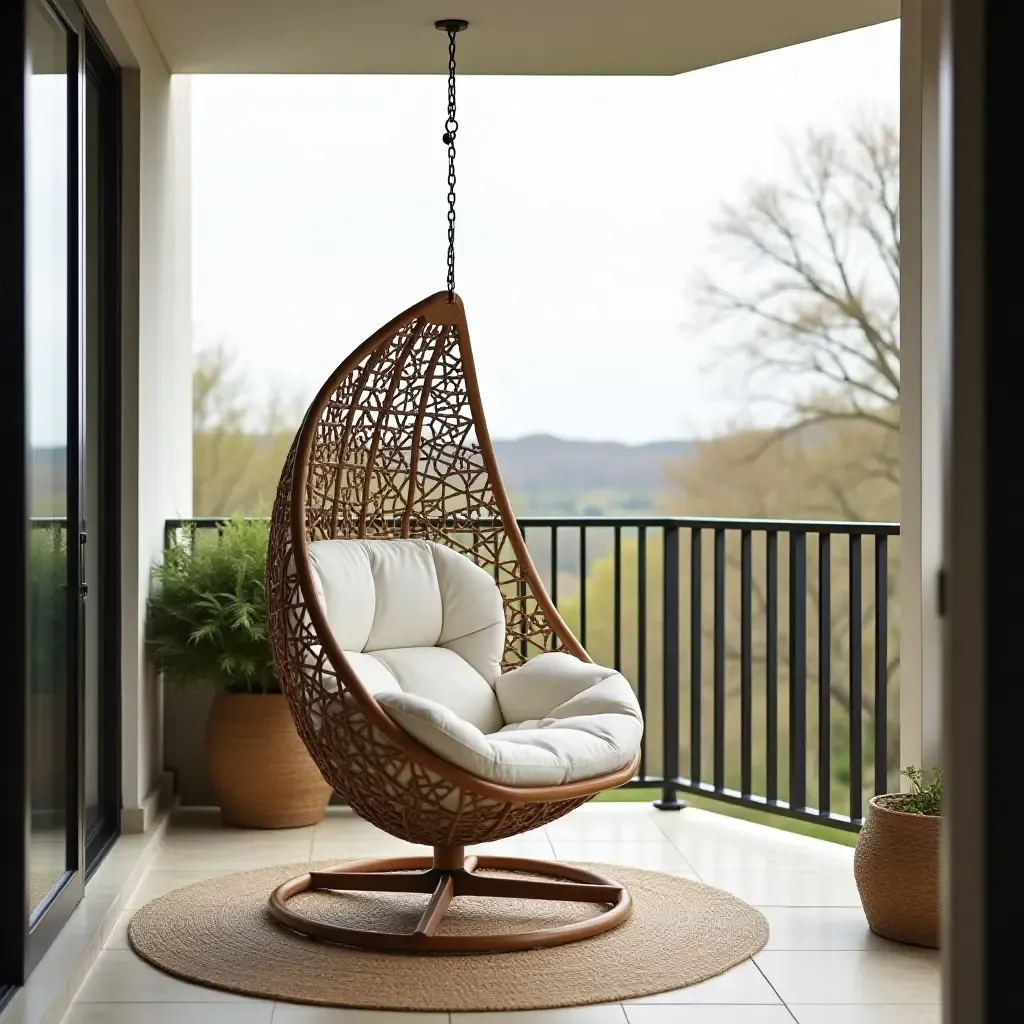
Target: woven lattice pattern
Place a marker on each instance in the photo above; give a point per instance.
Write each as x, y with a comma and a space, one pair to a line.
395, 446
395, 454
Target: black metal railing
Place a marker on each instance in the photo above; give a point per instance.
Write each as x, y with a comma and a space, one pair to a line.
764, 653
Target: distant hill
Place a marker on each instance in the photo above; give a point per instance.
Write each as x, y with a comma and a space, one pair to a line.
546, 474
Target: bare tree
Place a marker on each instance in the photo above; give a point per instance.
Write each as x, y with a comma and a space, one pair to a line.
814, 317
802, 294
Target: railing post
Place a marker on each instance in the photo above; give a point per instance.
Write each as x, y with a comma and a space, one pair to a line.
798, 671
670, 671
641, 639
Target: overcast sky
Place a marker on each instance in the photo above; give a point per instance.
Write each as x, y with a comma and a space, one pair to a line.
583, 212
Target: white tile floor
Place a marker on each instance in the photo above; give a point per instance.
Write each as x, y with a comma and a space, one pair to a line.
821, 964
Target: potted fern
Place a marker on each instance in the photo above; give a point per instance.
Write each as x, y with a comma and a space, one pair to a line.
896, 863
207, 626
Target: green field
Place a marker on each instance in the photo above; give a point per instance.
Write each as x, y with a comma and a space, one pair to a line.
803, 828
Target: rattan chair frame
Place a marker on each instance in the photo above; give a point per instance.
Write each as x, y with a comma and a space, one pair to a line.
395, 445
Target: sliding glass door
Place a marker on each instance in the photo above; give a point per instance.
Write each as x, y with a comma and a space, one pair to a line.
59, 807
53, 341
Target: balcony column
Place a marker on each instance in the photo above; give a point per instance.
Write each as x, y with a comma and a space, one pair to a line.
921, 390
156, 355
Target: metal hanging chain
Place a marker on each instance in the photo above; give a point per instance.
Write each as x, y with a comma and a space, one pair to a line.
451, 127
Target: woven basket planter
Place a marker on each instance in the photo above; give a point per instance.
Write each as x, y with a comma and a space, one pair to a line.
896, 865
259, 767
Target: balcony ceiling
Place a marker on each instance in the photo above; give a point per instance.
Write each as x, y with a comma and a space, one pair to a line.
506, 37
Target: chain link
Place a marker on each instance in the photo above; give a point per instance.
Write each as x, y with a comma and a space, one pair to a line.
451, 127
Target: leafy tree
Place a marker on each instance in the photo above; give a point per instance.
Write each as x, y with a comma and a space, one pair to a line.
238, 448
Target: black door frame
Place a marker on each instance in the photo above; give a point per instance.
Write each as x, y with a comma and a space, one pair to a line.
14, 807
982, 323
103, 71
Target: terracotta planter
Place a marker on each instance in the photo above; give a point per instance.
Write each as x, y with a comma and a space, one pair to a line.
258, 766
896, 865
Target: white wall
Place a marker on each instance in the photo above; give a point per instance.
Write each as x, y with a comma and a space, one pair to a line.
922, 372
157, 363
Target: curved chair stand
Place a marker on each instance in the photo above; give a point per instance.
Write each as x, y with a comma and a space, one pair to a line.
449, 875
395, 445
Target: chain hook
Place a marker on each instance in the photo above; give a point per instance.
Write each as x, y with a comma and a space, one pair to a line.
451, 26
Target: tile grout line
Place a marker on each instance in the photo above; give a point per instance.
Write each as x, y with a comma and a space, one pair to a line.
772, 986
689, 863
551, 844
789, 1009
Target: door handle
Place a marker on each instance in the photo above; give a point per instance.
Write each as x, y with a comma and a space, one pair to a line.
83, 587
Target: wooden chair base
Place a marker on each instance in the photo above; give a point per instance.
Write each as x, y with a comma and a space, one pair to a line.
451, 874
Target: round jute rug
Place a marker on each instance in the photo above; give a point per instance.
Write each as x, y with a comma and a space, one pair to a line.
218, 933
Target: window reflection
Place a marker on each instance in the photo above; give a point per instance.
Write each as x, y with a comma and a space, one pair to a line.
47, 350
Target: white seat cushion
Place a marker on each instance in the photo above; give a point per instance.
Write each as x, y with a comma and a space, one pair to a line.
423, 628
590, 724
434, 674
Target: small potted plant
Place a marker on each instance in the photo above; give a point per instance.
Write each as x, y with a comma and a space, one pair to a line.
896, 863
207, 625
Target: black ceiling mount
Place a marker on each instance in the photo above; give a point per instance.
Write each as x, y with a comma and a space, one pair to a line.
451, 25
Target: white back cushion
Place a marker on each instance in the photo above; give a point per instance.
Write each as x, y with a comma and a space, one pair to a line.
472, 613
416, 617
344, 582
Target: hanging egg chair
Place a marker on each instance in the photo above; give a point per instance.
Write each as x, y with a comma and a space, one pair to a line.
428, 672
